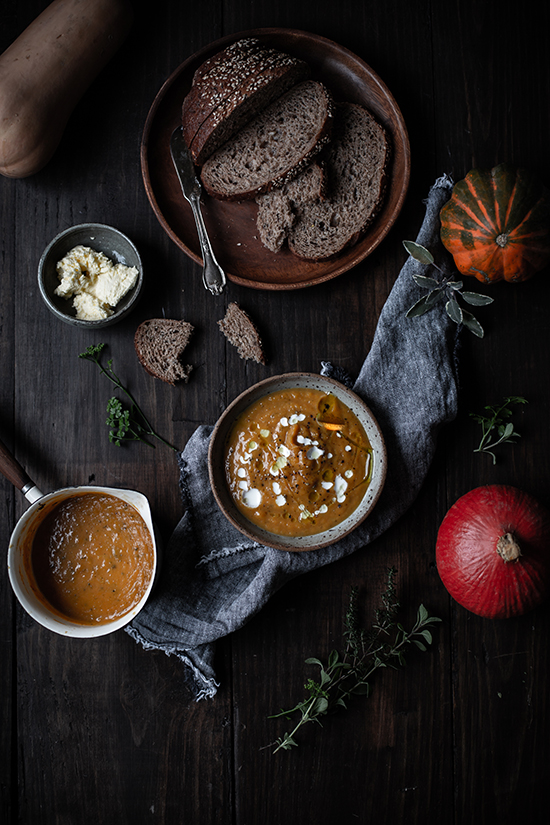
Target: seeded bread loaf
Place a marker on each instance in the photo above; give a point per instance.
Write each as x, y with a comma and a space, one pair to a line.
277, 210
274, 147
241, 332
159, 345
356, 163
230, 88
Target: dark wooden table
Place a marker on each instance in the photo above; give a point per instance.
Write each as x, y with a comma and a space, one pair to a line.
102, 731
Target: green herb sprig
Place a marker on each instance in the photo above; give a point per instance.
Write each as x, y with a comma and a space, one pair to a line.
494, 425
126, 424
365, 652
446, 289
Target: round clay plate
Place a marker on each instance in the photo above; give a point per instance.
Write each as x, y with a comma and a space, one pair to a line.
232, 226
222, 431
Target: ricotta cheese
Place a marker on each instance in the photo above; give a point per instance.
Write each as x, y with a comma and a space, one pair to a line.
94, 282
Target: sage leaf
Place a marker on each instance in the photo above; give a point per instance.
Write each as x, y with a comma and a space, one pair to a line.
472, 324
454, 311
419, 252
477, 300
423, 280
418, 309
456, 285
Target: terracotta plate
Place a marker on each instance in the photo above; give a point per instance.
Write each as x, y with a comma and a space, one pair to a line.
232, 227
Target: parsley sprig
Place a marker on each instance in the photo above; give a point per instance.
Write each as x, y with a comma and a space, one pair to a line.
126, 424
495, 426
347, 675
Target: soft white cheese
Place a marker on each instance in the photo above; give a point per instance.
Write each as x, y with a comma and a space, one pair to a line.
95, 283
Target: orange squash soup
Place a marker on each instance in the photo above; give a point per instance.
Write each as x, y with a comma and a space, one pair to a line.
91, 558
298, 462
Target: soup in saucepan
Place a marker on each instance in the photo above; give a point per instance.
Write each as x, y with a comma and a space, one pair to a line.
91, 558
298, 462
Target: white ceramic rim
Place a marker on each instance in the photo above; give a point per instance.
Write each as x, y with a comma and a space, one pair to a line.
223, 428
26, 596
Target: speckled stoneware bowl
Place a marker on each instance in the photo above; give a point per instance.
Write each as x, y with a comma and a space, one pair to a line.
222, 431
114, 244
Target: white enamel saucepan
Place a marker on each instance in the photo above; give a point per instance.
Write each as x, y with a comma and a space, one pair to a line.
26, 528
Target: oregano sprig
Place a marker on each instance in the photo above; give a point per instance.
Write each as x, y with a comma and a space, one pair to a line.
495, 428
126, 424
347, 675
447, 289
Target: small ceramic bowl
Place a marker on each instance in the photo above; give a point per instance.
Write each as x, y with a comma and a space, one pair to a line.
222, 431
101, 238
23, 588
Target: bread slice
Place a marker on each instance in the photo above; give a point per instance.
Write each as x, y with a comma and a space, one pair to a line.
230, 88
274, 147
159, 345
277, 209
241, 331
356, 161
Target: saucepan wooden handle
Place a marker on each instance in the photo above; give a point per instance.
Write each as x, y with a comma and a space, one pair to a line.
12, 470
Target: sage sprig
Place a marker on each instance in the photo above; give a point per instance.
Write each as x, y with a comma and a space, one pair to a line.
126, 424
496, 429
446, 289
365, 652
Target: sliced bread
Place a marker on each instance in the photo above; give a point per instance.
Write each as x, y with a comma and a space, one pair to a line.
356, 162
274, 147
277, 209
230, 88
241, 332
159, 345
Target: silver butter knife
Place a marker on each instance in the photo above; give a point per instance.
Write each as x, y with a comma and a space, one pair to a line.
213, 276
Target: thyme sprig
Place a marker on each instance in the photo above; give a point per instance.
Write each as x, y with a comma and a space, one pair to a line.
447, 289
495, 425
347, 675
126, 424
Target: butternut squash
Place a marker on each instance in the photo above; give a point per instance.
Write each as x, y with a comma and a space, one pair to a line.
45, 72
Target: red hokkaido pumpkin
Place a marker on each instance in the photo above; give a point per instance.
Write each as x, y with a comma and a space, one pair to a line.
496, 224
493, 551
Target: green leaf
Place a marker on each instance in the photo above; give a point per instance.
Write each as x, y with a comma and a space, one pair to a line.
424, 281
477, 300
456, 285
422, 614
418, 252
418, 309
454, 311
472, 324
314, 662
420, 645
427, 636
434, 297
321, 706
333, 658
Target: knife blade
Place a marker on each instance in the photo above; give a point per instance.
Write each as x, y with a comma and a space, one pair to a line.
213, 275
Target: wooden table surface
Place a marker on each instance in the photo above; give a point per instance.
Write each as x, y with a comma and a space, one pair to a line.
103, 731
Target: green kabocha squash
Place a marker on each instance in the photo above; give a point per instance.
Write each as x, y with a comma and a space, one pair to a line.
496, 224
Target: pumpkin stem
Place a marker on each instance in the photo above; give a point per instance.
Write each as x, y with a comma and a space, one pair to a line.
508, 548
502, 239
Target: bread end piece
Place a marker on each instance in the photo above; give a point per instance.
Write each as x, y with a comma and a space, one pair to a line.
159, 344
241, 332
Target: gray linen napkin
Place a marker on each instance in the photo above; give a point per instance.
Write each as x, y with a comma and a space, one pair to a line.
213, 579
